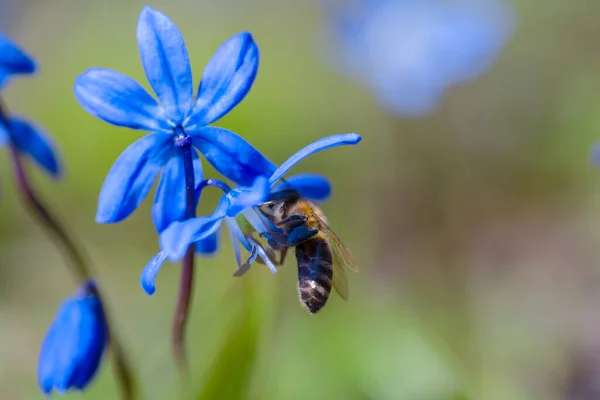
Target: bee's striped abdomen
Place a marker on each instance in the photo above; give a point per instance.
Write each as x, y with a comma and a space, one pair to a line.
315, 272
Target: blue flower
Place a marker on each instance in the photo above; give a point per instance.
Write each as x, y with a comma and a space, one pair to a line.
178, 121
409, 52
175, 240
73, 347
26, 137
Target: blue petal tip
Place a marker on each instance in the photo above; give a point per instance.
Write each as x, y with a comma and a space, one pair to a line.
247, 36
101, 219
148, 276
148, 287
354, 138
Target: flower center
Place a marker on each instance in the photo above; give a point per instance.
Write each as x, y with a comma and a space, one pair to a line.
182, 139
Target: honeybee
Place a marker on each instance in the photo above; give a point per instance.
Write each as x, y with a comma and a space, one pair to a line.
320, 253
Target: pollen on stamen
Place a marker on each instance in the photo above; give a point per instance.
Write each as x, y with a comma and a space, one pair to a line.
182, 139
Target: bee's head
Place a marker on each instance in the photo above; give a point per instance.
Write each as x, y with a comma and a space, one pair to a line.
273, 210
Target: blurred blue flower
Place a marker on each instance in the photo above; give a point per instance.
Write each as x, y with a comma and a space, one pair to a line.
175, 240
179, 121
25, 136
409, 52
74, 344
29, 139
13, 61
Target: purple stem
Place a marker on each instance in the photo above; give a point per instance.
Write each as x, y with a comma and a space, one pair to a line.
183, 141
75, 257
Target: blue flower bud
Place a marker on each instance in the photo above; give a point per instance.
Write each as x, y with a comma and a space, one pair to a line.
74, 344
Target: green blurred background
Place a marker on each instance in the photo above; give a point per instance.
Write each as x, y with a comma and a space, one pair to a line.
475, 228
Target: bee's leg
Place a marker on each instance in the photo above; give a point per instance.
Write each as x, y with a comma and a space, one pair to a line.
272, 256
282, 255
300, 234
293, 221
277, 241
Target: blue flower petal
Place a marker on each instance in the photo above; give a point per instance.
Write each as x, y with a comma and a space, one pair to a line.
31, 140
244, 197
232, 156
166, 63
118, 100
72, 349
5, 77
235, 244
263, 255
315, 147
312, 186
235, 230
13, 60
258, 221
253, 254
170, 201
178, 236
208, 246
4, 138
227, 78
131, 177
150, 272
243, 268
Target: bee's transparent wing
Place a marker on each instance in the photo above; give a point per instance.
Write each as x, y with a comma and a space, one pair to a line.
342, 253
340, 283
341, 259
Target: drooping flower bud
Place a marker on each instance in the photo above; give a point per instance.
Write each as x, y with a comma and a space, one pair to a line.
73, 347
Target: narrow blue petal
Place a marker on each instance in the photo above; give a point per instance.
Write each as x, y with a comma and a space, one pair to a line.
263, 255
118, 100
243, 268
235, 244
4, 138
170, 201
235, 230
257, 220
227, 78
253, 254
244, 197
208, 246
176, 239
131, 177
31, 140
315, 147
311, 186
4, 77
150, 272
166, 63
13, 60
232, 156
